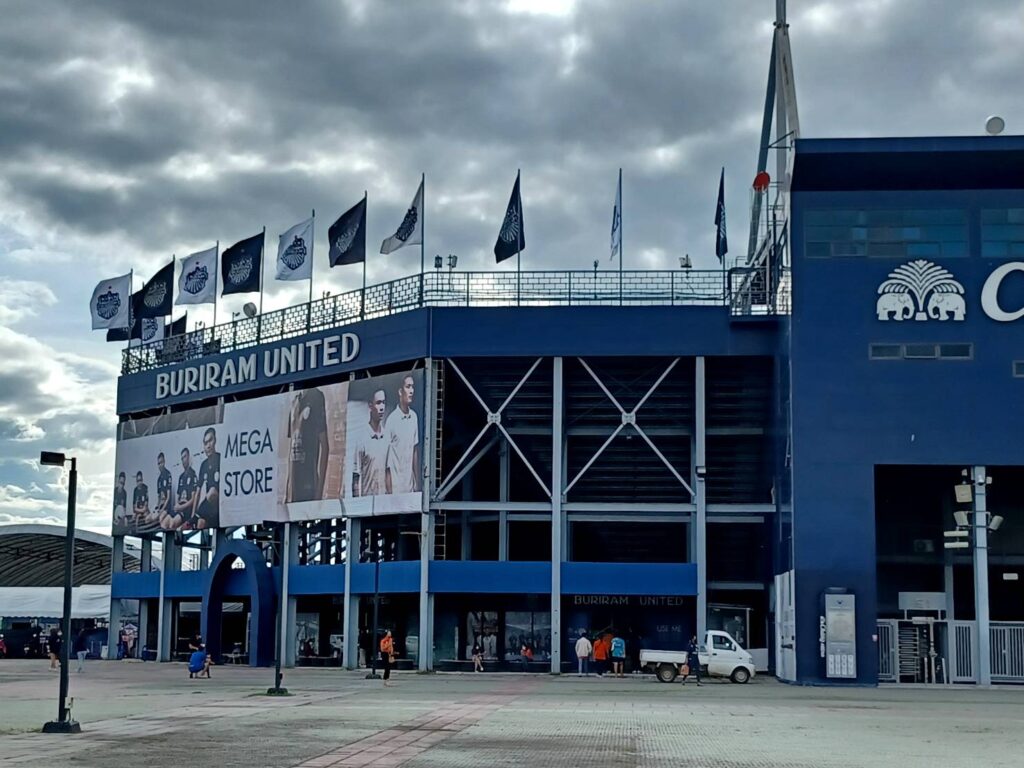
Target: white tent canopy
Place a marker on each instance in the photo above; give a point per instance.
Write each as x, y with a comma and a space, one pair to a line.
89, 601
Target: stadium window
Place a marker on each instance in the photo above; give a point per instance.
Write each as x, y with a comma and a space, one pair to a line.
919, 351
887, 233
1002, 233
1018, 369
886, 352
927, 352
956, 351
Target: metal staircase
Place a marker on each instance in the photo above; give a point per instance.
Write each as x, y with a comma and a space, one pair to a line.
440, 516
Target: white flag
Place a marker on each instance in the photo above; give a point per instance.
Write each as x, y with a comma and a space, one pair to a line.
152, 329
197, 283
617, 219
111, 303
295, 252
410, 231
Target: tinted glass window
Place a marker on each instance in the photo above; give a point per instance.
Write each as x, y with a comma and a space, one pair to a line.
1002, 233
886, 233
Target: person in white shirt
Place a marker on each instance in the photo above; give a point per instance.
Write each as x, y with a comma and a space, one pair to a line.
583, 651
371, 454
403, 437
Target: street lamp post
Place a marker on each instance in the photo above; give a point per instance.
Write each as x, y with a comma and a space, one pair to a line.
282, 612
64, 723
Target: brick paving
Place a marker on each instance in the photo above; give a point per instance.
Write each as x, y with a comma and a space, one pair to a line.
146, 714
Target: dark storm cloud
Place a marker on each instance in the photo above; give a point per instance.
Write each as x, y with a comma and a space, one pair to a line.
466, 92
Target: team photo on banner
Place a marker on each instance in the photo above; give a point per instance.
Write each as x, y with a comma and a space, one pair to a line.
350, 448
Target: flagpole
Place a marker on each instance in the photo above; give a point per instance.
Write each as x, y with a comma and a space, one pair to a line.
263, 248
216, 274
362, 296
519, 244
131, 320
423, 235
620, 236
312, 262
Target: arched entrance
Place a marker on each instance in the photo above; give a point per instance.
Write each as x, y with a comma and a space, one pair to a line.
261, 595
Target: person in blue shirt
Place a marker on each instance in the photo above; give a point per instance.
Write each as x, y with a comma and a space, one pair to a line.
693, 660
199, 663
618, 650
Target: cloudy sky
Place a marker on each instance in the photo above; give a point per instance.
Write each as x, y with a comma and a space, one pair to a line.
133, 131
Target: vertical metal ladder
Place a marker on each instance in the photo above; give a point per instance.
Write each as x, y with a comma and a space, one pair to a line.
440, 516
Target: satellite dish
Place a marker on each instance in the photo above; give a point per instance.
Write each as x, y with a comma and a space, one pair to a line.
761, 182
994, 125
249, 310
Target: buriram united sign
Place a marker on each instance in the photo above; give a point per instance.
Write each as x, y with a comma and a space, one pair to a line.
300, 356
921, 290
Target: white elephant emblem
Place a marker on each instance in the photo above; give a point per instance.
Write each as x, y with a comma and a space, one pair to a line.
895, 306
942, 306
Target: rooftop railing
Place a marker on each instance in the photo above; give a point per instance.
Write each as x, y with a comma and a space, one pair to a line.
442, 289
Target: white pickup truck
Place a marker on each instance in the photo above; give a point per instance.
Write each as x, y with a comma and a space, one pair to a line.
720, 656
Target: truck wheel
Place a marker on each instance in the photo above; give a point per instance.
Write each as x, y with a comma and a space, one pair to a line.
740, 675
667, 672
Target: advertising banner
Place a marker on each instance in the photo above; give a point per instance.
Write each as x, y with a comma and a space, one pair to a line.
350, 448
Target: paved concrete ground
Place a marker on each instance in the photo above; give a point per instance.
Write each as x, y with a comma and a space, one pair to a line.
136, 714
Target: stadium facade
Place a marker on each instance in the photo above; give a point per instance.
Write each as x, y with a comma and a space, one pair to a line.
777, 449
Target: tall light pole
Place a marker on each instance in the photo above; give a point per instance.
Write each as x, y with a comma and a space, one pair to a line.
64, 723
282, 610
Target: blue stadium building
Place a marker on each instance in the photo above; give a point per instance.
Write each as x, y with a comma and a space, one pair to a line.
818, 450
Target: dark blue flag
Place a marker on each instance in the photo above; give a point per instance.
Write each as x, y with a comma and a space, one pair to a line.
347, 236
721, 241
178, 326
512, 237
241, 266
134, 329
157, 296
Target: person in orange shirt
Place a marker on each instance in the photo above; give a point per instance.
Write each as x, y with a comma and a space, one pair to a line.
601, 654
387, 655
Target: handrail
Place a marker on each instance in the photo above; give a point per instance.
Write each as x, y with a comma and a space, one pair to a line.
440, 289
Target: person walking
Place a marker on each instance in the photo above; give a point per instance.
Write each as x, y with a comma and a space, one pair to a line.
583, 651
618, 650
81, 648
387, 656
600, 655
693, 660
525, 656
54, 649
478, 656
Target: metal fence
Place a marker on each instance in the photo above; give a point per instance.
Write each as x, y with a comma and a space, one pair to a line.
1007, 652
714, 288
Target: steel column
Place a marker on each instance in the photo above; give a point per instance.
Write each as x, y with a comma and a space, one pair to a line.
981, 576
556, 517
114, 619
145, 565
350, 612
170, 561
425, 659
700, 523
503, 468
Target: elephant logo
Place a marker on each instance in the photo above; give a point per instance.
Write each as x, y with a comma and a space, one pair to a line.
922, 290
